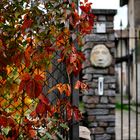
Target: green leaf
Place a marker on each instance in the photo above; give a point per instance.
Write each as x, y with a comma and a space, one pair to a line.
65, 126
47, 136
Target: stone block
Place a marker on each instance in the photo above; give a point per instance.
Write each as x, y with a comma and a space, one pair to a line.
86, 64
101, 18
90, 106
107, 106
106, 118
91, 99
88, 46
88, 70
110, 130
93, 124
109, 79
112, 124
91, 118
112, 100
112, 86
97, 111
110, 92
96, 37
97, 130
111, 70
101, 71
111, 37
104, 100
103, 137
103, 124
87, 77
110, 18
109, 25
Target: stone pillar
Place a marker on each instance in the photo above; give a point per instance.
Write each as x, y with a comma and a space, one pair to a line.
99, 51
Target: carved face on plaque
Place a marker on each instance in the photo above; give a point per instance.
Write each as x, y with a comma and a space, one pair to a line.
100, 56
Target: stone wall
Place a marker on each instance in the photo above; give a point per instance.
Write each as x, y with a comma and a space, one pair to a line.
100, 109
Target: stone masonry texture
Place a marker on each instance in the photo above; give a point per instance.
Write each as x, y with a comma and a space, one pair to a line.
100, 109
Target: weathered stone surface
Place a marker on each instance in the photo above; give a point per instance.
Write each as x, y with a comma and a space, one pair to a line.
87, 77
101, 71
111, 37
86, 64
109, 79
93, 124
100, 56
87, 54
105, 106
96, 37
106, 118
90, 105
97, 111
112, 124
110, 44
112, 112
110, 130
112, 100
110, 18
91, 118
105, 86
104, 100
88, 70
103, 137
103, 124
88, 46
109, 24
91, 99
112, 86
110, 92
111, 70
97, 130
101, 18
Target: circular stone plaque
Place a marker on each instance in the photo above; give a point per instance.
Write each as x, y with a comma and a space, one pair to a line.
100, 56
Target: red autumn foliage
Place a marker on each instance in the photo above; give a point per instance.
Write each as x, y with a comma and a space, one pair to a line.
31, 85
33, 35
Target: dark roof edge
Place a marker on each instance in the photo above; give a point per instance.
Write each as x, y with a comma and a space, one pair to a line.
123, 2
104, 11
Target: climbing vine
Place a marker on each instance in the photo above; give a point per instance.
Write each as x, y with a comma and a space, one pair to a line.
31, 31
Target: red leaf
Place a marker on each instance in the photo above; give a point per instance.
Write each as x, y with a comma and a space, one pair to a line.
81, 85
43, 99
26, 77
38, 89
77, 85
11, 122
38, 78
27, 55
41, 108
22, 85
69, 112
32, 133
3, 121
26, 24
30, 88
77, 114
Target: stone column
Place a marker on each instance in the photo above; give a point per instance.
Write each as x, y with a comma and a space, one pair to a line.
100, 105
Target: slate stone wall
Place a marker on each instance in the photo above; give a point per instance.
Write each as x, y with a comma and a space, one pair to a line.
100, 109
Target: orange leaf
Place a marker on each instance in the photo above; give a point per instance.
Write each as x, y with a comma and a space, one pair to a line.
32, 133
27, 55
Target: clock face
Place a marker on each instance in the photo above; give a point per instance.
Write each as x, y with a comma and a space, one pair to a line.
100, 56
